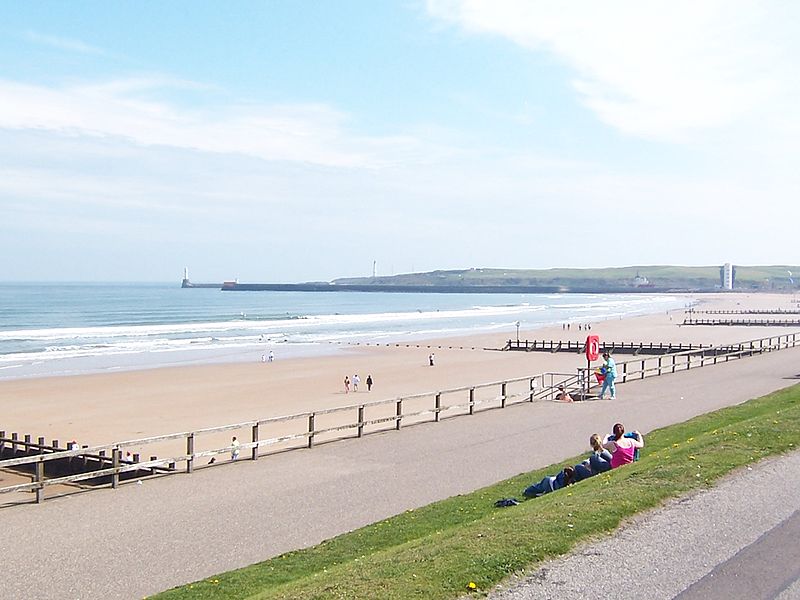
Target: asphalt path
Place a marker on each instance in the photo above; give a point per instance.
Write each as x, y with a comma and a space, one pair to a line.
739, 540
141, 539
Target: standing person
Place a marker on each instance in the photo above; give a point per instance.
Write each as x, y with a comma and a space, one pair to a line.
346, 384
369, 383
611, 374
271, 356
234, 448
356, 381
431, 359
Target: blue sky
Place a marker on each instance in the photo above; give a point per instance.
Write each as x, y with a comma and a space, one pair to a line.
294, 141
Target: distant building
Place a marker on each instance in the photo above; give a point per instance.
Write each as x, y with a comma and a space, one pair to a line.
641, 281
727, 276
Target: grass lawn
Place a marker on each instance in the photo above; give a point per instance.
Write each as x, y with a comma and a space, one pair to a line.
438, 550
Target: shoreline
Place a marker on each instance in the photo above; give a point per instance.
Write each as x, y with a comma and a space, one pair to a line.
200, 352
118, 405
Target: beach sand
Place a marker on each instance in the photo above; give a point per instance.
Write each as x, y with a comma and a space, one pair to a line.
109, 407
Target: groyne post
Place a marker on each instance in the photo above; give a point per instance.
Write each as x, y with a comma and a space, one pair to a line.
311, 430
361, 420
503, 395
472, 401
399, 414
437, 406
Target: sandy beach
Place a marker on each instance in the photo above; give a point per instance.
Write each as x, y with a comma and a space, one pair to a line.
104, 408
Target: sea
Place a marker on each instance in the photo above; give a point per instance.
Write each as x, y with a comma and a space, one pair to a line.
50, 329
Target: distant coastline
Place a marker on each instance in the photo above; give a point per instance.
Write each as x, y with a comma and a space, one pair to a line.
611, 280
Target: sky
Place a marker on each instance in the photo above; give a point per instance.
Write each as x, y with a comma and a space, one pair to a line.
287, 141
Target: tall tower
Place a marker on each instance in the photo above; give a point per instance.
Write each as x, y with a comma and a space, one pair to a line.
374, 269
727, 276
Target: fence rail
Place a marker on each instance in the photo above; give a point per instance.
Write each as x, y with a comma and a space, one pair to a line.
353, 419
683, 361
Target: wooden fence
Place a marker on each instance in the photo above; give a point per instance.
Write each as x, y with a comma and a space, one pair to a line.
683, 361
309, 428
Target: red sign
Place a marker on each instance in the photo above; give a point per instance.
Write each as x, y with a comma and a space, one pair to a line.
592, 347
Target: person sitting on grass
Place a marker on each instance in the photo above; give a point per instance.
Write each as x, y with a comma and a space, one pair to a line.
598, 462
550, 483
623, 447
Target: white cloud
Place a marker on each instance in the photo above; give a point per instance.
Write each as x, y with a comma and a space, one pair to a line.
658, 69
62, 43
132, 109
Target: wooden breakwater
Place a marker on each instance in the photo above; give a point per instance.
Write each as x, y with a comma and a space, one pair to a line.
578, 347
306, 429
765, 311
65, 462
743, 322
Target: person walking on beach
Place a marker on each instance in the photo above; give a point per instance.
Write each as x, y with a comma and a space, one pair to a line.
611, 374
346, 384
234, 448
270, 356
356, 381
431, 361
369, 383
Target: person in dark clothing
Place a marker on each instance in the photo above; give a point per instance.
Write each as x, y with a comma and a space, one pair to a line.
550, 483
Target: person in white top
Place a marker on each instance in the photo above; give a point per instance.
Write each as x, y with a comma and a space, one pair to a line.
234, 448
356, 381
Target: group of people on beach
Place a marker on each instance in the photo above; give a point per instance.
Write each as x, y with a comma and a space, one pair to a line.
581, 326
613, 451
355, 382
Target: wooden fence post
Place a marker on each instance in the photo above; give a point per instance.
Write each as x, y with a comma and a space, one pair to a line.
399, 414
437, 406
40, 481
472, 401
190, 453
643, 368
659, 364
115, 455
2, 442
624, 372
360, 420
254, 454
503, 395
310, 430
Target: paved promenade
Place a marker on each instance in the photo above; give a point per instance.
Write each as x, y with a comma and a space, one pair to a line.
141, 539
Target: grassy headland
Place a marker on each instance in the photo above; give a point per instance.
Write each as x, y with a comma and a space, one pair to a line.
634, 277
437, 550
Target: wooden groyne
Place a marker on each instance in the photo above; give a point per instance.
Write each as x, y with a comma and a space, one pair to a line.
767, 311
744, 322
578, 347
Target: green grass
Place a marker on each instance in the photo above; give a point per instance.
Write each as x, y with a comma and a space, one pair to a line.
437, 550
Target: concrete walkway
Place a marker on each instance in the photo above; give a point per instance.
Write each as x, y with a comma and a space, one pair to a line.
141, 539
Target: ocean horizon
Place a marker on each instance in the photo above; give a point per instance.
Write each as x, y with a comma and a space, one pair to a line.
49, 329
